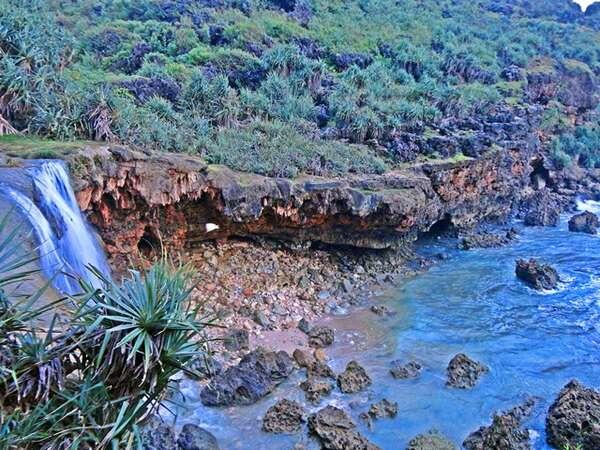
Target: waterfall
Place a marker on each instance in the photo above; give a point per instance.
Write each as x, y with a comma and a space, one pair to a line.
67, 243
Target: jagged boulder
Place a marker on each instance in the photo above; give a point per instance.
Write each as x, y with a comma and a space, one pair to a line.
487, 240
285, 416
193, 437
321, 336
463, 372
543, 209
255, 376
574, 418
157, 435
537, 275
505, 432
382, 409
315, 389
586, 222
401, 371
336, 431
354, 379
432, 440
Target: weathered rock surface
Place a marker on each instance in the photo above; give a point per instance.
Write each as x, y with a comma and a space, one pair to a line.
316, 388
255, 376
176, 200
382, 409
401, 371
382, 310
586, 222
237, 340
487, 240
354, 379
157, 435
320, 337
463, 372
543, 209
205, 367
574, 418
192, 437
285, 416
505, 432
537, 275
336, 431
432, 440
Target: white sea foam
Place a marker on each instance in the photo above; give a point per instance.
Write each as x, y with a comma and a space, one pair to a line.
588, 205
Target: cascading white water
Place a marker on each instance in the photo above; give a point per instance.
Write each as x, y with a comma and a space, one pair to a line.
67, 244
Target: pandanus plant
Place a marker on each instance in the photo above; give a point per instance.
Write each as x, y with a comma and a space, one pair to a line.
87, 380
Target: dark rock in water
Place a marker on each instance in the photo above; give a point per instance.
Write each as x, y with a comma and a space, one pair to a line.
505, 432
320, 369
336, 431
255, 376
304, 326
285, 416
543, 210
586, 222
354, 379
463, 372
237, 340
432, 440
382, 310
314, 366
539, 276
315, 389
574, 418
320, 337
157, 435
278, 365
192, 437
487, 240
380, 410
404, 371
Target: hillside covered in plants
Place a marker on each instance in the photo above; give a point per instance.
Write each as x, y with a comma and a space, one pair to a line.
284, 87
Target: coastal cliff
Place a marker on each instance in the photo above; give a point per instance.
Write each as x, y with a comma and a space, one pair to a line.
137, 200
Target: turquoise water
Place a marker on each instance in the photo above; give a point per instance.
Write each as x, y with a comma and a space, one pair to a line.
533, 343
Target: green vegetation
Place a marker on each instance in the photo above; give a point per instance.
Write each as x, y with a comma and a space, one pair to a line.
86, 382
32, 147
306, 86
581, 146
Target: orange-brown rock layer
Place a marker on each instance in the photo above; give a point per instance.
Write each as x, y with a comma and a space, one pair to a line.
140, 202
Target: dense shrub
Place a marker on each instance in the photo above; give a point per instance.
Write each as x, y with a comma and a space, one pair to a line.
276, 149
581, 147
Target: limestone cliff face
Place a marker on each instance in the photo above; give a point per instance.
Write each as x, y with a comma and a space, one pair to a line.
138, 201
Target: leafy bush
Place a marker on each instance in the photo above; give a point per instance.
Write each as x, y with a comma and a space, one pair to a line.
276, 149
582, 146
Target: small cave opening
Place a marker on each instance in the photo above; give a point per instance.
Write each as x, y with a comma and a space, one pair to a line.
442, 227
539, 176
150, 244
109, 201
